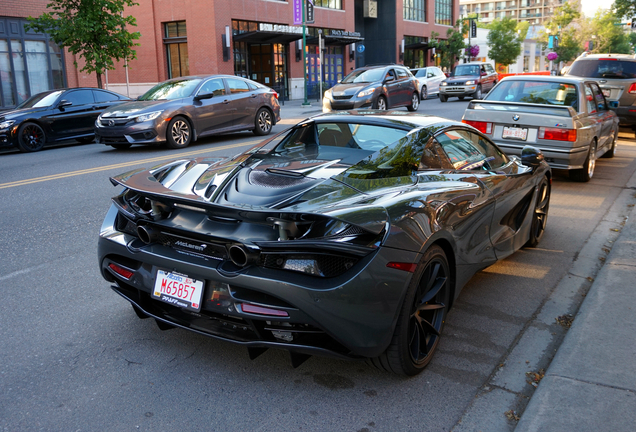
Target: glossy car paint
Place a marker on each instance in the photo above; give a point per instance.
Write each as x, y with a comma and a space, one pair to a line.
399, 217
600, 127
206, 115
429, 78
455, 85
59, 121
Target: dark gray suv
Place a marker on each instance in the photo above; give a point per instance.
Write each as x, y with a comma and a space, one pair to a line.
379, 87
616, 76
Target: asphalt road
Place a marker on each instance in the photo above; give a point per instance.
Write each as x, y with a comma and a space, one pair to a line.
74, 356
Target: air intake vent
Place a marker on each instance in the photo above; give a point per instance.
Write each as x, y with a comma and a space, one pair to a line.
276, 181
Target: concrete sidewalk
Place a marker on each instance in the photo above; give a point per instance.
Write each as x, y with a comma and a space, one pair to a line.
591, 383
293, 111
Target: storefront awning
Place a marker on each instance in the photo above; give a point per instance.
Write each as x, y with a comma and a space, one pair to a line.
330, 40
418, 45
266, 37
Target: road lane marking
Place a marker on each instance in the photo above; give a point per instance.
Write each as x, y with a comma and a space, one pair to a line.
171, 156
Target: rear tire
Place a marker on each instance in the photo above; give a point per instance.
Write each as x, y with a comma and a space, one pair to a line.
460, 97
415, 102
178, 133
421, 319
424, 93
263, 122
443, 98
478, 93
587, 172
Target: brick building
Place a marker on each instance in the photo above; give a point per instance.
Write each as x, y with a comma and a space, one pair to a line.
253, 38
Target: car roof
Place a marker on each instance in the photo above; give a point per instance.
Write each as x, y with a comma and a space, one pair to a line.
586, 56
472, 63
545, 78
385, 118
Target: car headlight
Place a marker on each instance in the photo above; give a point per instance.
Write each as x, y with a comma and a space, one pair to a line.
328, 94
150, 116
470, 82
444, 84
6, 124
365, 93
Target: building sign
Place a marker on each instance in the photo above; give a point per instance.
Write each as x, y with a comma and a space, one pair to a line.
298, 12
309, 12
344, 33
281, 28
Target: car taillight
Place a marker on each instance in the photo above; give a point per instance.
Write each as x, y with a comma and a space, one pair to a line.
127, 274
408, 267
557, 134
276, 95
632, 88
483, 127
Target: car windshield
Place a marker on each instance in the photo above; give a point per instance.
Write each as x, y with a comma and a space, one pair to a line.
169, 90
339, 134
40, 100
538, 92
466, 70
364, 76
603, 68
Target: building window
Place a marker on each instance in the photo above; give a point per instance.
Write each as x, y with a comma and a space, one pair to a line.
415, 10
176, 43
444, 12
30, 63
330, 4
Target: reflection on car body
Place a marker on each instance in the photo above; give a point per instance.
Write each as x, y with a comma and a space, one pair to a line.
349, 235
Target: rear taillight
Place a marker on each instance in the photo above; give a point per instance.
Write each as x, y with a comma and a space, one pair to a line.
557, 134
408, 267
632, 88
125, 273
483, 127
276, 95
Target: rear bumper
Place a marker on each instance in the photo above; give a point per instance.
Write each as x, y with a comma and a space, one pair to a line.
558, 158
626, 115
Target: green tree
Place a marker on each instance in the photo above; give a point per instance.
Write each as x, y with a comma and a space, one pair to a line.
451, 47
610, 38
561, 25
504, 41
625, 8
93, 29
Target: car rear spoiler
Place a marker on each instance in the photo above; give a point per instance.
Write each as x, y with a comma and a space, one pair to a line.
370, 218
559, 110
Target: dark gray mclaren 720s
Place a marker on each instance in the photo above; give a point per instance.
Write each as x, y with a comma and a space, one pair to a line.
348, 235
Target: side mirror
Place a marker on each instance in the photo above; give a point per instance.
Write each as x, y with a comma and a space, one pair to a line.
483, 73
64, 103
202, 96
531, 157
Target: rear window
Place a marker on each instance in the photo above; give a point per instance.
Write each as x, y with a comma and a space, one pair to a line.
538, 92
600, 68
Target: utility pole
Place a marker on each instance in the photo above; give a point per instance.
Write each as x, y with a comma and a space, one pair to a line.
305, 103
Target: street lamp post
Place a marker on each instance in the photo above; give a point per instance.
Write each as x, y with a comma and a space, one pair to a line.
305, 103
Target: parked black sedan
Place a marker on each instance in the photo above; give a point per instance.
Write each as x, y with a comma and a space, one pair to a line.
54, 116
350, 235
181, 110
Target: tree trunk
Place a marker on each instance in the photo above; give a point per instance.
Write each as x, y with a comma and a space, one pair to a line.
99, 80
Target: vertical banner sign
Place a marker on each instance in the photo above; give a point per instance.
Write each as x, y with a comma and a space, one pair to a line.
298, 12
473, 28
309, 17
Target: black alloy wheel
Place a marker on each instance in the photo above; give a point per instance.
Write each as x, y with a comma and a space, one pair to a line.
381, 103
540, 215
586, 173
424, 93
419, 326
415, 102
31, 137
178, 133
263, 122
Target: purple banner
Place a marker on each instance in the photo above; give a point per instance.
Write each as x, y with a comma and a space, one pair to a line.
298, 12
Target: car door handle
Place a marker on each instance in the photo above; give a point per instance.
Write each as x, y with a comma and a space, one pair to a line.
226, 101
